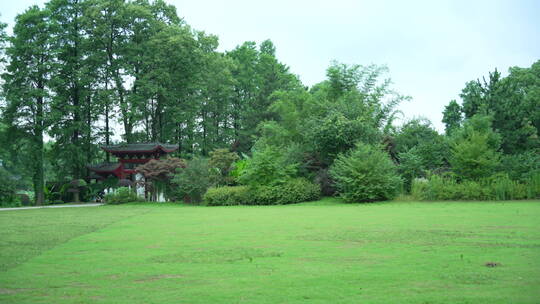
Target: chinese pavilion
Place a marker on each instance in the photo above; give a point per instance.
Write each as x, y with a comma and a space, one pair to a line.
129, 156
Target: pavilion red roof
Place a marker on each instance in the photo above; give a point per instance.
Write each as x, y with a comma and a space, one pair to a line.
104, 167
140, 148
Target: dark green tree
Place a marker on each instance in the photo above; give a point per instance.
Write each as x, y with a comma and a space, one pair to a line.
73, 105
257, 74
452, 116
104, 24
429, 145
28, 85
512, 101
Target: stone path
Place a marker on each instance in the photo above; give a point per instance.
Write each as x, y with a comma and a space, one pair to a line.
52, 206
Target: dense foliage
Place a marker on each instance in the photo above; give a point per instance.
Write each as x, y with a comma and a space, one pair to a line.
191, 182
293, 191
227, 196
222, 162
494, 188
475, 149
122, 195
85, 72
365, 174
159, 173
268, 166
7, 189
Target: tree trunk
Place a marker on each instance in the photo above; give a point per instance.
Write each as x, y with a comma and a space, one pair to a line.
76, 131
107, 128
39, 182
204, 131
88, 129
179, 139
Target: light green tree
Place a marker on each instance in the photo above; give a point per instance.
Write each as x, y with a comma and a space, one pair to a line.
475, 149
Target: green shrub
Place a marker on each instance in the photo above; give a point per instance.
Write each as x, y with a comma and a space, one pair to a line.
7, 188
441, 188
227, 196
410, 167
121, 196
10, 204
475, 149
192, 181
366, 173
419, 189
470, 190
532, 188
324, 180
299, 190
238, 169
24, 199
266, 195
502, 187
498, 187
222, 160
268, 166
522, 166
291, 192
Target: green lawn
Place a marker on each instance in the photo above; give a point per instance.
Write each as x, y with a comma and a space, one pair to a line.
322, 252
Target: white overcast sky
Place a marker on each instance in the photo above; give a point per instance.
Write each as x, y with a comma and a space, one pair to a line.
431, 47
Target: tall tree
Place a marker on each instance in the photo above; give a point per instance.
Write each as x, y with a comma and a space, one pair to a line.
429, 145
104, 25
512, 101
3, 41
452, 116
28, 85
258, 74
216, 94
245, 59
475, 148
72, 107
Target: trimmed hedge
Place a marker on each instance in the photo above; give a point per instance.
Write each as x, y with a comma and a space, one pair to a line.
227, 196
293, 191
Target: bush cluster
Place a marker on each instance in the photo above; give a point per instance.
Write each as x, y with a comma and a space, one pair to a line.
293, 191
191, 182
521, 166
121, 196
227, 196
365, 174
268, 166
495, 188
222, 161
8, 196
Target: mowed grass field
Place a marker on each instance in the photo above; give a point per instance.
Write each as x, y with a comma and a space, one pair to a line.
320, 252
